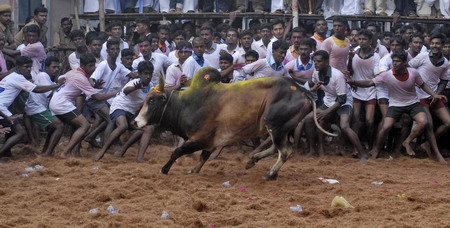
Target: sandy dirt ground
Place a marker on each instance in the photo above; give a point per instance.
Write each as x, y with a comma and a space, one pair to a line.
61, 194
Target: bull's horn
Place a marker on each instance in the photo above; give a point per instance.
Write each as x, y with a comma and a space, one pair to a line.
161, 84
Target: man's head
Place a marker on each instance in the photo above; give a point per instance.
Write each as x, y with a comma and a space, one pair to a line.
399, 60
398, 43
232, 36
87, 63
225, 61
66, 25
115, 29
375, 29
154, 41
113, 48
32, 33
77, 37
52, 66
298, 33
321, 60
340, 25
179, 36
5, 14
246, 39
198, 46
222, 29
277, 28
279, 49
145, 71
94, 43
353, 37
416, 42
365, 38
142, 26
437, 43
126, 57
23, 66
206, 32
40, 15
386, 38
321, 27
189, 29
306, 47
446, 49
184, 50
145, 46
163, 33
251, 56
265, 30
406, 31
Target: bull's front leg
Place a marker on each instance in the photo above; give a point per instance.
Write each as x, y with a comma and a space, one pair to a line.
203, 158
187, 148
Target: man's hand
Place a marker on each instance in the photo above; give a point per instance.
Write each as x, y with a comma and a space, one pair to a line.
238, 66
98, 84
316, 86
4, 130
438, 97
322, 115
223, 52
183, 80
61, 81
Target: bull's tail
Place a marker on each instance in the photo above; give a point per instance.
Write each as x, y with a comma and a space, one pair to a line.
315, 117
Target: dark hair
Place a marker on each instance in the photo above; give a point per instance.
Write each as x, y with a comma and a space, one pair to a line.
144, 21
418, 27
198, 39
265, 26
322, 19
373, 24
234, 30
127, 52
115, 23
222, 27
163, 27
145, 39
280, 44
145, 65
33, 29
49, 60
184, 44
86, 59
397, 27
152, 36
22, 60
385, 34
112, 41
447, 41
209, 28
355, 29
440, 36
323, 53
406, 27
76, 33
226, 57
179, 33
91, 36
341, 19
252, 53
399, 39
366, 33
246, 33
299, 30
308, 42
275, 22
64, 19
40, 10
417, 35
400, 54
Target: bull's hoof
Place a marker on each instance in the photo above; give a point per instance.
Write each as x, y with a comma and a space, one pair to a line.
165, 170
250, 164
270, 177
193, 171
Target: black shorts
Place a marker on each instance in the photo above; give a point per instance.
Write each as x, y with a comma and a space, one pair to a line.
383, 101
397, 111
119, 112
68, 117
344, 109
94, 105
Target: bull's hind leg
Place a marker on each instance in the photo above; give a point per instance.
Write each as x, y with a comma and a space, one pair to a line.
187, 148
258, 156
203, 158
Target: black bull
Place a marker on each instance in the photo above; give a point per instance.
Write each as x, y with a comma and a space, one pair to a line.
209, 115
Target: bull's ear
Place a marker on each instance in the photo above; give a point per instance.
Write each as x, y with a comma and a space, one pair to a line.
161, 84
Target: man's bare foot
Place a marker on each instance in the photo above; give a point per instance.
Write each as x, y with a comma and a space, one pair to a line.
65, 155
98, 156
409, 149
373, 154
140, 160
119, 154
396, 153
426, 147
76, 154
93, 142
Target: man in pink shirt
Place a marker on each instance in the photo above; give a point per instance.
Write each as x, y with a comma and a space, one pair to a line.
338, 45
402, 82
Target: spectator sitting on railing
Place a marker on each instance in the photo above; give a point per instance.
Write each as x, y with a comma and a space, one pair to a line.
375, 6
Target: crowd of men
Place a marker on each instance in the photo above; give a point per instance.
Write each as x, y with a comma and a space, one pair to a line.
356, 74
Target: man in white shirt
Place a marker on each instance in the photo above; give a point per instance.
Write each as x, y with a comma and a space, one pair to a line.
261, 45
433, 68
337, 101
164, 46
126, 105
271, 66
277, 30
196, 61
415, 44
160, 61
375, 28
212, 50
78, 39
62, 103
94, 44
10, 87
232, 39
246, 40
115, 29
402, 82
37, 109
175, 78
